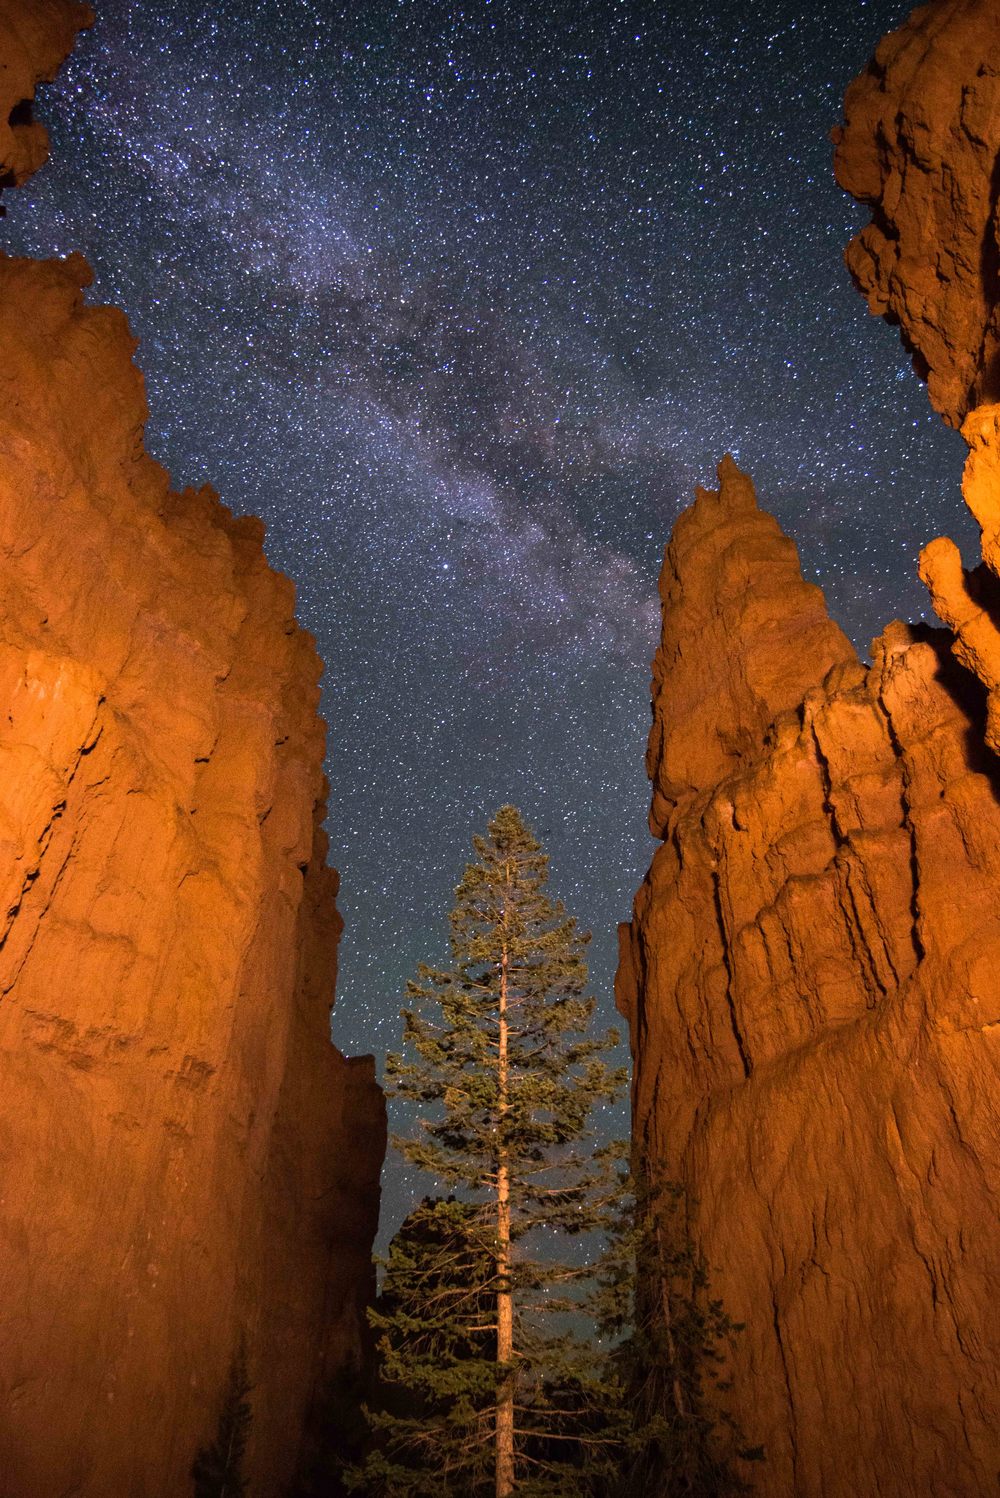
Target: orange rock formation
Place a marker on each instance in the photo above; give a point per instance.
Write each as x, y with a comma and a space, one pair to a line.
809, 980
185, 1160
810, 975
36, 37
920, 147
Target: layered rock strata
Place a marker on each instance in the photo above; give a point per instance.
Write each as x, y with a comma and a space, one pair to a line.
187, 1165
810, 983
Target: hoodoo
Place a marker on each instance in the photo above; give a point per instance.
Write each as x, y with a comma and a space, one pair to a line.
809, 980
919, 146
810, 972
188, 1168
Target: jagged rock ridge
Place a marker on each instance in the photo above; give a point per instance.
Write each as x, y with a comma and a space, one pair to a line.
810, 983
185, 1160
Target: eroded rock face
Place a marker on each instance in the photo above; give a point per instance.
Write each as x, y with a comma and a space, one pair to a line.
810, 983
810, 972
185, 1160
36, 37
921, 147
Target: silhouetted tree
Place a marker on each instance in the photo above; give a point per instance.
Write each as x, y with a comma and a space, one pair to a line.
669, 1342
217, 1470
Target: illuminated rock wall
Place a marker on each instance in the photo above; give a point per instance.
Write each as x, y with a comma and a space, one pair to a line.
810, 974
186, 1162
810, 983
921, 148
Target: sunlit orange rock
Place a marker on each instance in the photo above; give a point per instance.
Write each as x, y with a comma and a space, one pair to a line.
186, 1162
810, 980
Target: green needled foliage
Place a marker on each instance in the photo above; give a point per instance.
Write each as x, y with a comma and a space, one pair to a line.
670, 1343
435, 1321
486, 1359
515, 1356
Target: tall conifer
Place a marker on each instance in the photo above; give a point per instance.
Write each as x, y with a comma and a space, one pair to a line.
494, 1386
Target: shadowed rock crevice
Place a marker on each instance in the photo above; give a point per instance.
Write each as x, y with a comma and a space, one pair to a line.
987, 389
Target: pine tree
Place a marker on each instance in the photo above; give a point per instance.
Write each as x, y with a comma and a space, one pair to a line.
669, 1341
435, 1319
488, 1342
217, 1470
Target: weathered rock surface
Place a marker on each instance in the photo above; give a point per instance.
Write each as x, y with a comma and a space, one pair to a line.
36, 36
810, 983
185, 1160
810, 975
921, 147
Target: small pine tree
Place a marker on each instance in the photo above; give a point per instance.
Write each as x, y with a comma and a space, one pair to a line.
435, 1320
669, 1341
487, 1344
217, 1470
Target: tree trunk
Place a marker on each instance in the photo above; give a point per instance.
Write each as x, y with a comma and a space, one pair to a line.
505, 1297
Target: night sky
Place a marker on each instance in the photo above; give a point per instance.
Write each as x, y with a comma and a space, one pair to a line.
463, 300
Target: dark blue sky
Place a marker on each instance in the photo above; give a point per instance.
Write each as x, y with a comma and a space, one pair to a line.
463, 300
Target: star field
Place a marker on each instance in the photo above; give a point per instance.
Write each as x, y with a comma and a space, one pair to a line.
463, 299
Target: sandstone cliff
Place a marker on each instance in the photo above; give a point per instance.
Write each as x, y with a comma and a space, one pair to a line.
810, 972
810, 984
185, 1160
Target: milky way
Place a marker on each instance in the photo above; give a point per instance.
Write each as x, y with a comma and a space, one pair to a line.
463, 300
